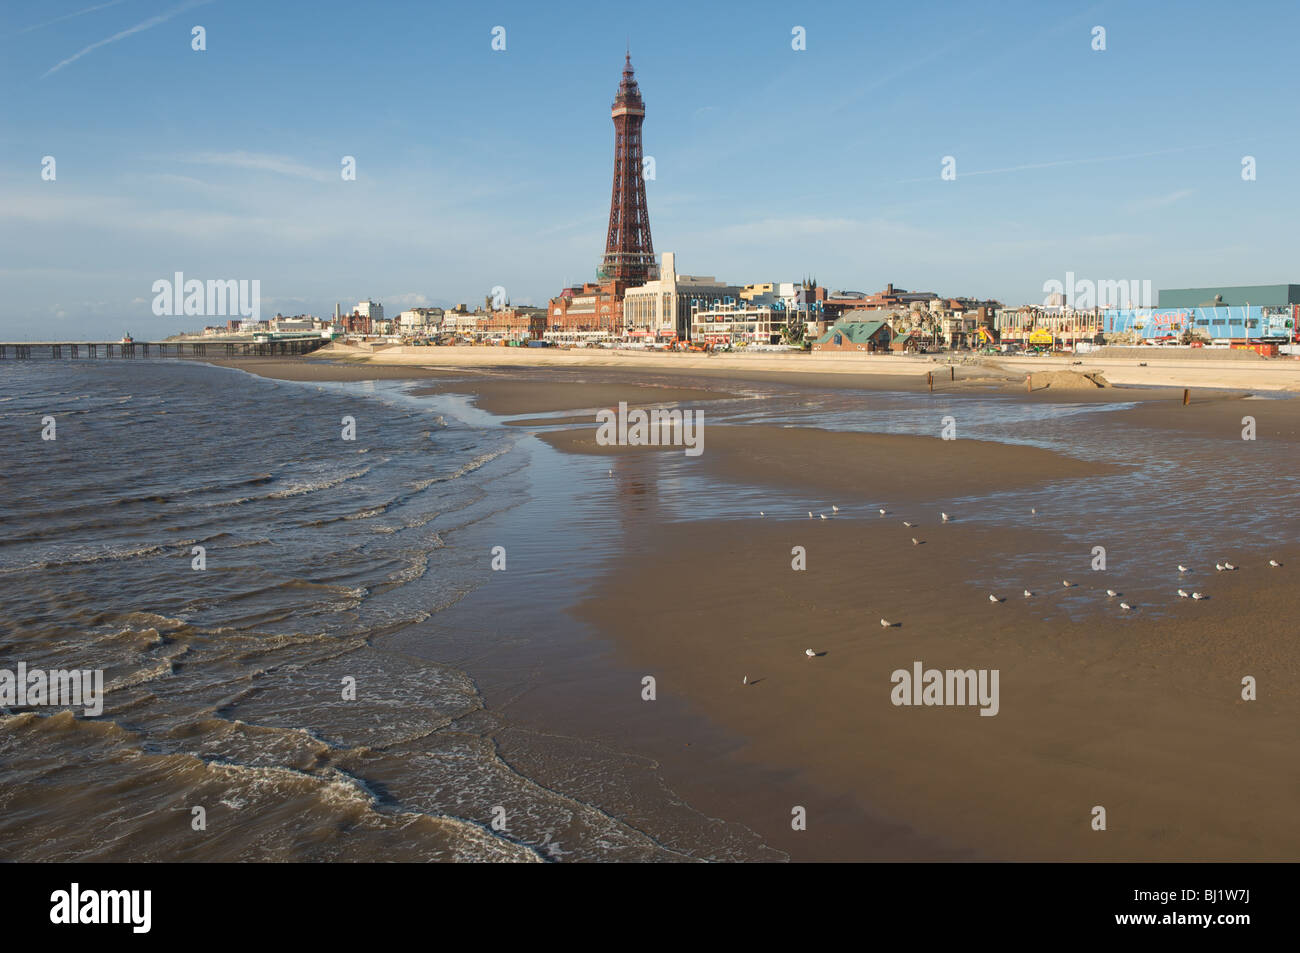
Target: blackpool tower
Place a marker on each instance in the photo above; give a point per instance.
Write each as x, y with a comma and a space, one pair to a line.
629, 252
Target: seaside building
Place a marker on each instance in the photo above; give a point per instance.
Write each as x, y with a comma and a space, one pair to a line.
861, 331
513, 323
596, 308
1029, 325
662, 309
417, 320
1244, 326
369, 309
357, 323
838, 303
733, 324
1239, 296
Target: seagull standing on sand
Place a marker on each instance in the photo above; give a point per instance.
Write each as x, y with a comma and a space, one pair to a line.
1066, 583
1182, 568
945, 516
907, 524
993, 598
810, 514
1197, 595
885, 623
1274, 563
1112, 593
834, 508
745, 680
810, 653
882, 511
822, 515
1182, 593
1033, 511
1028, 593
1229, 566
915, 541
761, 513
1125, 605
1218, 567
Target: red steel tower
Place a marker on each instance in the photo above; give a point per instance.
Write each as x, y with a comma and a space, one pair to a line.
629, 252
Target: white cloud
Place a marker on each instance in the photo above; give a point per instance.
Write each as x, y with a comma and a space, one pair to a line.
281, 165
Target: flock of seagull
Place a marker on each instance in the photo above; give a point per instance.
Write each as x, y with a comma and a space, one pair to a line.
1065, 583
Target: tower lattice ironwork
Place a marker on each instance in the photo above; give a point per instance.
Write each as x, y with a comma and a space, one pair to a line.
629, 252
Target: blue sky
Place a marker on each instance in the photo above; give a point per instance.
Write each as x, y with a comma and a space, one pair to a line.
478, 168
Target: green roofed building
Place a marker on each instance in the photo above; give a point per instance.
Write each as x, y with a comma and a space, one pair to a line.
849, 335
1257, 296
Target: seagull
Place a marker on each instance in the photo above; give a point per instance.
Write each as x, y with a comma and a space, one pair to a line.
1182, 568
1066, 583
745, 680
834, 508
907, 524
611, 472
1112, 593
882, 511
885, 623
993, 598
1125, 605
1182, 593
945, 516
1028, 593
1033, 511
810, 514
810, 653
1219, 567
1229, 566
915, 541
1197, 595
761, 513
1274, 563
822, 515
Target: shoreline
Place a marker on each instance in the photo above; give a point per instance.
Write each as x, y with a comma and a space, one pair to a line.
905, 371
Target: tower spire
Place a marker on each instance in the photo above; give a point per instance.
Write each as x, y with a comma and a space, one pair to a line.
629, 251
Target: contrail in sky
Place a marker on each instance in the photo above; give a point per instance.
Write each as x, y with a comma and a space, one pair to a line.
66, 16
144, 25
1059, 162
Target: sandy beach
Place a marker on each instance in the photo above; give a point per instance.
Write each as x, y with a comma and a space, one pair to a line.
1147, 367
1138, 711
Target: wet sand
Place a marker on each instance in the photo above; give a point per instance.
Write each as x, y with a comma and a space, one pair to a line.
864, 466
1142, 717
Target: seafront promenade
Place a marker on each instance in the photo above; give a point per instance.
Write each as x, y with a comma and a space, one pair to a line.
1151, 367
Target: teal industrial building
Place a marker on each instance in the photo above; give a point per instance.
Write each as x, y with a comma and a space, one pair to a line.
1238, 296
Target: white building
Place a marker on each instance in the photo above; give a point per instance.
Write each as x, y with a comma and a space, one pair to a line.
370, 309
420, 319
661, 309
737, 324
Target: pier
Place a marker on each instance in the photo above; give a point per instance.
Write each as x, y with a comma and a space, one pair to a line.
78, 350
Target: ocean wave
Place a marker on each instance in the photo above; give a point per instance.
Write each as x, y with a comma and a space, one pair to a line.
312, 486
